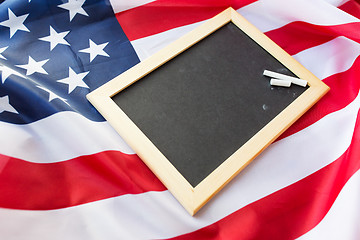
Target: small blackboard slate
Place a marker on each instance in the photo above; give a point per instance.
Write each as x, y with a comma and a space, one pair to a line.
203, 109
204, 104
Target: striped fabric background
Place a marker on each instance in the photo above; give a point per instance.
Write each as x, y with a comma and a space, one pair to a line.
66, 176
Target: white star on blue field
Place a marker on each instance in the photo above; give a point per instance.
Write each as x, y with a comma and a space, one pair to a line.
53, 53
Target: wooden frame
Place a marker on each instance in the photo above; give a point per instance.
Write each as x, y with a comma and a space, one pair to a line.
193, 198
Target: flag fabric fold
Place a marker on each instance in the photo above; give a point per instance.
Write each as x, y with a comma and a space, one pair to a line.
66, 174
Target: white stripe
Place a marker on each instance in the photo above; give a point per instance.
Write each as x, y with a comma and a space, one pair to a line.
336, 3
268, 15
60, 137
343, 219
332, 57
123, 5
154, 215
145, 47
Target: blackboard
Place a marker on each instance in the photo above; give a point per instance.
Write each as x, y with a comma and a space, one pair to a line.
200, 110
204, 104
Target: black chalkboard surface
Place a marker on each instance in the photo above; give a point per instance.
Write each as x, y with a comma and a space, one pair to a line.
204, 104
200, 110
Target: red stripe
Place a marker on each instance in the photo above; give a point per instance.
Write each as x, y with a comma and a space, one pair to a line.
298, 36
352, 7
344, 87
291, 211
34, 186
162, 15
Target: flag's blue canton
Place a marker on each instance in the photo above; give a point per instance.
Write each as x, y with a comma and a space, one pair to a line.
52, 57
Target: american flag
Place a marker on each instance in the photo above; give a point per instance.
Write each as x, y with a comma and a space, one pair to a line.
66, 174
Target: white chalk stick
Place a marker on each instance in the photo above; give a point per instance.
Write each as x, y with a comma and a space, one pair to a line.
300, 82
294, 80
280, 82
